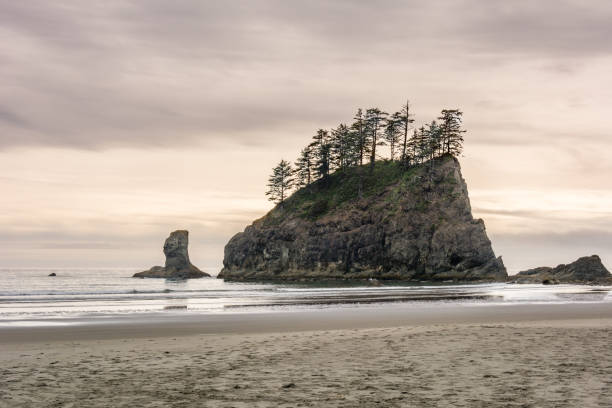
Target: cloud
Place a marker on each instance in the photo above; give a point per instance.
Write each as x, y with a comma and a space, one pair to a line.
157, 73
12, 118
566, 28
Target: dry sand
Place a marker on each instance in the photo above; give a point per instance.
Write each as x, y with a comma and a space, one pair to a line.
504, 357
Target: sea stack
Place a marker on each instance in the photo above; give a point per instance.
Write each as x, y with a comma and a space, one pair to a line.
588, 269
177, 264
390, 223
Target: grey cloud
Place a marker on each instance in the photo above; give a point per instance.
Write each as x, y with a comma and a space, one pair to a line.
153, 73
567, 27
13, 119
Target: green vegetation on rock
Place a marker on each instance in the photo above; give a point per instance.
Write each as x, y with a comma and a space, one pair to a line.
346, 187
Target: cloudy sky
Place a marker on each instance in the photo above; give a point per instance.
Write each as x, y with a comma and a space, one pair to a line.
123, 120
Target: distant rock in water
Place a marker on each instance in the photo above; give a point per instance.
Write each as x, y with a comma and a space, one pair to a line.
395, 223
588, 269
52, 274
178, 265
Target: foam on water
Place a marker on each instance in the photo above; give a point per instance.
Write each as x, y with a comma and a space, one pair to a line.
30, 295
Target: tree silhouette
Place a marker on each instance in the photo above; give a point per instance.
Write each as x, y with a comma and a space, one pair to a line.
340, 147
304, 167
406, 120
321, 148
452, 134
392, 132
361, 136
280, 182
374, 119
433, 140
323, 163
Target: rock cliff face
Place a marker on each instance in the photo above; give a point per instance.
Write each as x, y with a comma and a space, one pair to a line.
177, 265
588, 269
394, 223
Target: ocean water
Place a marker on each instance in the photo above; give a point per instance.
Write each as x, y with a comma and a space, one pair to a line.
30, 295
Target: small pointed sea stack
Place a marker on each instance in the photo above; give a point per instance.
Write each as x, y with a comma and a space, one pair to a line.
177, 264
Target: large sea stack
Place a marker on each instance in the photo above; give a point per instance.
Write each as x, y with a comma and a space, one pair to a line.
177, 264
396, 222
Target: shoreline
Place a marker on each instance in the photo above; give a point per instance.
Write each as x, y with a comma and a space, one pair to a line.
161, 325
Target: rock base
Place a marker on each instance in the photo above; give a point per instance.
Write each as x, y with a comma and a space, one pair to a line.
172, 273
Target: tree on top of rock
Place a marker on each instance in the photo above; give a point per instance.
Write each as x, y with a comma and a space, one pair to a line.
304, 167
392, 132
280, 182
321, 149
323, 162
340, 147
348, 146
375, 119
452, 134
433, 141
362, 140
406, 119
319, 139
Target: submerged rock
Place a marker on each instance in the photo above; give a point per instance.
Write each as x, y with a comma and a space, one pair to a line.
588, 269
395, 223
177, 264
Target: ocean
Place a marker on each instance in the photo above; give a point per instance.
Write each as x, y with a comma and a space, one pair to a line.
31, 297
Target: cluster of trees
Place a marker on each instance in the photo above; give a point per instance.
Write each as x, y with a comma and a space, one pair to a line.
353, 145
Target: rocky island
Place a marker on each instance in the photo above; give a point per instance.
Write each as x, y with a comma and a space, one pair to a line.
177, 264
588, 269
385, 222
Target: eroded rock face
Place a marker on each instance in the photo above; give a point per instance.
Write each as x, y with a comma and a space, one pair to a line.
588, 269
417, 227
177, 264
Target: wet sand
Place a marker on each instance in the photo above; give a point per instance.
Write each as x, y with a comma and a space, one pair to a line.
424, 356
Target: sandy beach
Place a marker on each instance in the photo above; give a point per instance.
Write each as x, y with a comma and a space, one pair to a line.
429, 356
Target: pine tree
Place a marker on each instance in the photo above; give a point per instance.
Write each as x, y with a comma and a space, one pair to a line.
361, 137
452, 134
374, 119
353, 148
434, 140
406, 120
304, 167
280, 182
392, 132
320, 151
412, 147
323, 163
319, 139
340, 145
422, 145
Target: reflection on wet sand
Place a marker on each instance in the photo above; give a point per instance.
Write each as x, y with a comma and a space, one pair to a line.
593, 295
369, 298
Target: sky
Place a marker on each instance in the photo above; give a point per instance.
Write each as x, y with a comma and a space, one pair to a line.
121, 121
